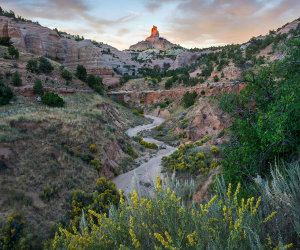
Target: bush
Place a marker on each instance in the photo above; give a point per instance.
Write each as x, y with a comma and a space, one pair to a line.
163, 222
93, 148
5, 41
52, 100
13, 52
281, 193
131, 152
189, 99
5, 94
104, 195
216, 78
188, 158
38, 87
16, 79
95, 82
67, 75
44, 65
150, 145
169, 83
96, 163
47, 193
215, 150
81, 73
32, 66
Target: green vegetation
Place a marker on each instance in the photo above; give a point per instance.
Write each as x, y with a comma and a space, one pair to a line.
104, 195
189, 99
266, 118
189, 158
162, 221
38, 87
16, 79
52, 100
67, 75
95, 82
5, 94
5, 41
12, 15
13, 52
81, 73
40, 65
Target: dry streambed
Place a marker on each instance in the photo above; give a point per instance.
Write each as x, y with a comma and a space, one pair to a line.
147, 171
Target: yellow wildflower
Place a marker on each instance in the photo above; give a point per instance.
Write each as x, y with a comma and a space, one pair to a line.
270, 216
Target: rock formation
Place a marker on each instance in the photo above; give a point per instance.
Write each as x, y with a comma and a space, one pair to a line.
154, 33
153, 42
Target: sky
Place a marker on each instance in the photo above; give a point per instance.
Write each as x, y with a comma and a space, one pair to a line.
190, 23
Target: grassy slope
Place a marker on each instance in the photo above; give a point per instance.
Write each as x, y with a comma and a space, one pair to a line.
32, 151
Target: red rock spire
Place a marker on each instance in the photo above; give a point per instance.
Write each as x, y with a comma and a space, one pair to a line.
154, 33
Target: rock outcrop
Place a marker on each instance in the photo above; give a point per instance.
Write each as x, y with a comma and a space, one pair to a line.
154, 41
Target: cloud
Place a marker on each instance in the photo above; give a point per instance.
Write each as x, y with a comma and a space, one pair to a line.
66, 10
227, 21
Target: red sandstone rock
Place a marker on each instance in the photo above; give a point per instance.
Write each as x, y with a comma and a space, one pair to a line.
153, 42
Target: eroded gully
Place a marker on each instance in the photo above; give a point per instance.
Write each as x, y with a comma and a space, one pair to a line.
147, 171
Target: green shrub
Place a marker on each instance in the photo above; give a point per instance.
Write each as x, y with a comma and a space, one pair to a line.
16, 79
188, 158
95, 82
215, 150
163, 222
131, 152
13, 52
216, 78
169, 83
52, 100
47, 193
44, 65
38, 87
11, 231
67, 75
189, 99
266, 118
32, 66
96, 163
5, 94
150, 145
93, 148
5, 41
104, 195
81, 73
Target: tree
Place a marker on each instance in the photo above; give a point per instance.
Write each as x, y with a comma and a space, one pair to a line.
169, 83
16, 79
52, 100
266, 118
81, 72
13, 52
44, 65
189, 99
95, 82
216, 78
32, 66
38, 87
67, 75
5, 94
5, 41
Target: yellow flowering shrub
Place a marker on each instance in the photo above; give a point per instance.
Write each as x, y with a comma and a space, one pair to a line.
93, 148
162, 222
188, 159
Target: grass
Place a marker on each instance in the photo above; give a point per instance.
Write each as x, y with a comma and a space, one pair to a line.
35, 133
